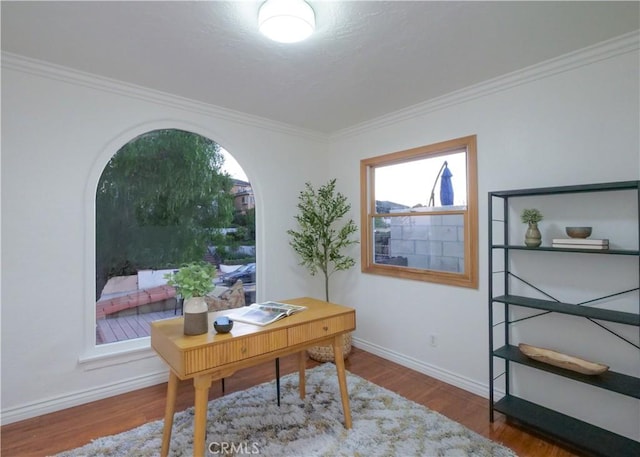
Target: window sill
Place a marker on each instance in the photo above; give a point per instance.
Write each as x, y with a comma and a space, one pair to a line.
120, 353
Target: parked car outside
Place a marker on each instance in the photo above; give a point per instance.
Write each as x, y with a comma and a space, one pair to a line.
246, 273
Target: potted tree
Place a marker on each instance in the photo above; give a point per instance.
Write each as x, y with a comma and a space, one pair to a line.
532, 237
193, 281
320, 242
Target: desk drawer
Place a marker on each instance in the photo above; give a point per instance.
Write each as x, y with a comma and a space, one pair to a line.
234, 350
321, 329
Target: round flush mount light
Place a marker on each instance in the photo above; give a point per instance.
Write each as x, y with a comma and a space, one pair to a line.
286, 21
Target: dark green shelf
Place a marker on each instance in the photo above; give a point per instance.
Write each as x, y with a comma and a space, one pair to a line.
586, 438
598, 187
594, 440
610, 380
575, 310
516, 247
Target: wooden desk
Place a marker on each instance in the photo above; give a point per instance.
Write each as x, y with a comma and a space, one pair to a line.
205, 358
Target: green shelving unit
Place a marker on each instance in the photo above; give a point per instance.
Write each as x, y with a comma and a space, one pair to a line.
588, 438
567, 308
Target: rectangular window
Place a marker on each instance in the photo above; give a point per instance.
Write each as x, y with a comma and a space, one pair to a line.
419, 213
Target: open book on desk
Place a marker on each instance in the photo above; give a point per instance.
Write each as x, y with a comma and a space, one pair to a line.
264, 313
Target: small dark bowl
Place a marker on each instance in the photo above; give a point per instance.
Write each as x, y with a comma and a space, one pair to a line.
223, 325
578, 232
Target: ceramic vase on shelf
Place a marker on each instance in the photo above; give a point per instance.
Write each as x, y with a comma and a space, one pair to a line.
195, 313
532, 238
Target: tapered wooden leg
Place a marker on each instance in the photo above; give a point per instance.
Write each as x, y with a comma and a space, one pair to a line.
172, 390
302, 365
342, 379
201, 384
278, 379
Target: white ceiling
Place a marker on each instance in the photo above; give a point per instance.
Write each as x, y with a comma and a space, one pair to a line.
367, 59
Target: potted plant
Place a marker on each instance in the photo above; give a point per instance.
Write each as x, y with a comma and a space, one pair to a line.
532, 237
320, 242
193, 281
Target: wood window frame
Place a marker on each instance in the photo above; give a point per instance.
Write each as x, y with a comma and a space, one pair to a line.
469, 277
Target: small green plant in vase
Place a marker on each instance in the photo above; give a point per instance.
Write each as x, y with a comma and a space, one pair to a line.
193, 281
532, 237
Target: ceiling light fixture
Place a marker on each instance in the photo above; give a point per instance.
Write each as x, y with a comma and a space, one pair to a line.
286, 21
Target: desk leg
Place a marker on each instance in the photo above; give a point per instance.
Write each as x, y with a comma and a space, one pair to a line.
278, 379
172, 390
201, 384
342, 379
302, 365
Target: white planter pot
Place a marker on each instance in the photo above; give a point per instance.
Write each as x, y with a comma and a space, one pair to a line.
196, 314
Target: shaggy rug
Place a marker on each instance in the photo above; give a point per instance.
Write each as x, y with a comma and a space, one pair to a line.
250, 423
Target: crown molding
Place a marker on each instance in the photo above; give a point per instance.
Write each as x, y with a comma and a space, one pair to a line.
605, 50
68, 75
623, 44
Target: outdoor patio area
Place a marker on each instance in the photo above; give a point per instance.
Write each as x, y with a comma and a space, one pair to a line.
129, 304
113, 329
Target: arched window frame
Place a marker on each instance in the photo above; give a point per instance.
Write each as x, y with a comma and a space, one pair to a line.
94, 356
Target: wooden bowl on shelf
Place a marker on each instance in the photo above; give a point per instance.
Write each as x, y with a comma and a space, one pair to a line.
561, 360
578, 232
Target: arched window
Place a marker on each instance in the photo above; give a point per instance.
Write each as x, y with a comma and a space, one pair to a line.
162, 200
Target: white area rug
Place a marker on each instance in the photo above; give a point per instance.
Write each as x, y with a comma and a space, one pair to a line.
250, 423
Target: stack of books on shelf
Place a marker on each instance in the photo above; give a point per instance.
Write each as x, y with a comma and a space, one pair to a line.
580, 243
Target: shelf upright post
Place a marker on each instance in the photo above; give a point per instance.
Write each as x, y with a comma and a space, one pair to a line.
505, 212
491, 273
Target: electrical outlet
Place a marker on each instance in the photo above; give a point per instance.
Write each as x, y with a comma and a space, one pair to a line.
433, 340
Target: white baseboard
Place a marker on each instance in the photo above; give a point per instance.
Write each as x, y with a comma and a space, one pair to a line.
449, 377
80, 397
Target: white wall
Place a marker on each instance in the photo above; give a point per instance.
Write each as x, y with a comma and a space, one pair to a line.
59, 129
571, 121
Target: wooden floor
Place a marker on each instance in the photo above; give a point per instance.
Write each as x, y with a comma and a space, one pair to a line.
73, 427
